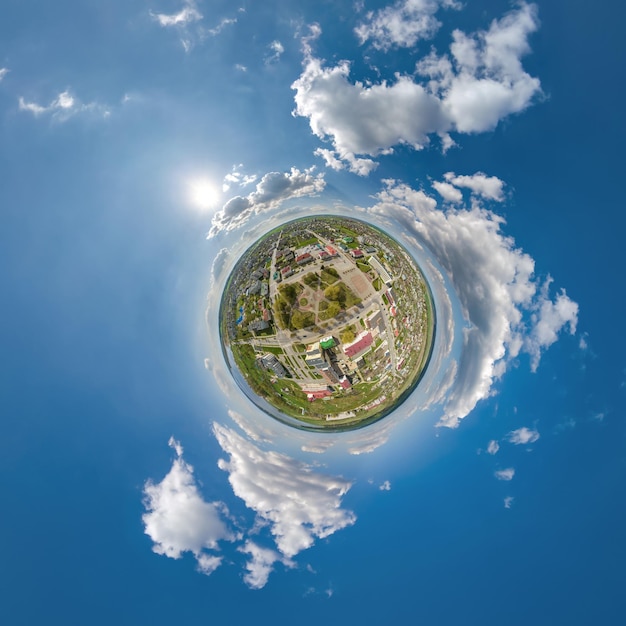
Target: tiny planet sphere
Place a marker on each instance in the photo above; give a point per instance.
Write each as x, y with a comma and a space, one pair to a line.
327, 323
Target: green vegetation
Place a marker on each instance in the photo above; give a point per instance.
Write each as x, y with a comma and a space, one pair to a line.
273, 349
289, 293
330, 310
311, 280
375, 390
330, 275
342, 294
348, 334
306, 242
302, 319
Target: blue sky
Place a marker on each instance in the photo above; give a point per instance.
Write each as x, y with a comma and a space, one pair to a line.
144, 144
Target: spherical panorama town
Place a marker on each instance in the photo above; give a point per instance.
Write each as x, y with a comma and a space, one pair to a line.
327, 323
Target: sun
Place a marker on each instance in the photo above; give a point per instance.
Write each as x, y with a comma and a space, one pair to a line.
204, 194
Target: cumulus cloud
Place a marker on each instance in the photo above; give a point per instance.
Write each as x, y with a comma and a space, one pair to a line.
448, 191
3, 72
298, 503
261, 564
480, 82
271, 191
179, 520
487, 187
386, 486
493, 447
508, 502
402, 24
494, 281
505, 474
550, 318
522, 436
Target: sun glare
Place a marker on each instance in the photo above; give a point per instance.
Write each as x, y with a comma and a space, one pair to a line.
204, 194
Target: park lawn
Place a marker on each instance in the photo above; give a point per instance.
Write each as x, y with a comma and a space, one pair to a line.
274, 349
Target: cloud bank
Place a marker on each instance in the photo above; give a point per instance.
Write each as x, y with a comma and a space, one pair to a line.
298, 503
479, 82
508, 310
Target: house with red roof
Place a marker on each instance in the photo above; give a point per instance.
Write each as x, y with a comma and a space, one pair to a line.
360, 344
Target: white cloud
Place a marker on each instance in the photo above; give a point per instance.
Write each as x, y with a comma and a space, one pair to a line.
495, 286
522, 436
178, 519
386, 486
548, 321
271, 191
3, 72
298, 503
365, 120
402, 24
331, 160
186, 23
208, 563
484, 80
508, 502
493, 447
261, 564
227, 21
237, 177
189, 13
505, 474
276, 49
470, 91
487, 187
448, 192
64, 106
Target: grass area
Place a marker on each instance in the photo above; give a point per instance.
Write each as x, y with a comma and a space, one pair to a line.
302, 319
306, 242
342, 294
311, 280
329, 275
335, 297
273, 349
348, 334
330, 310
